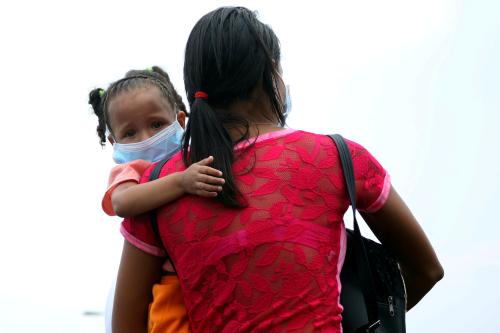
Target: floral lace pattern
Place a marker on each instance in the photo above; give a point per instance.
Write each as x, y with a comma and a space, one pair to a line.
273, 266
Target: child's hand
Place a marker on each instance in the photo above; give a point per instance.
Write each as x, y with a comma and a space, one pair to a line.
202, 180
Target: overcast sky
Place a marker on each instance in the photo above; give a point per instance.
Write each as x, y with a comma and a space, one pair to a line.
415, 82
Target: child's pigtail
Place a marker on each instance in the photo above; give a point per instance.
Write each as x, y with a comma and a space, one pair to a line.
96, 100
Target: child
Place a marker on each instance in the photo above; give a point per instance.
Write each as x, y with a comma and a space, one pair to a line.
143, 117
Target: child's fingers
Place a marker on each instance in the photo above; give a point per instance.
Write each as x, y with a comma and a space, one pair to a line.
208, 187
206, 169
210, 180
206, 194
206, 161
207, 190
210, 171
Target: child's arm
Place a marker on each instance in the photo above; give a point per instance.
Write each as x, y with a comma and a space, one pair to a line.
131, 199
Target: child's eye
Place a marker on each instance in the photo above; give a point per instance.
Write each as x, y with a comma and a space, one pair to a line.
157, 124
129, 134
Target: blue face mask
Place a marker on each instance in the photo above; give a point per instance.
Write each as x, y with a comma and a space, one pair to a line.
162, 145
288, 102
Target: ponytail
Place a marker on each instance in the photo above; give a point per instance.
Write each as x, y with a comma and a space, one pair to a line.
206, 136
228, 54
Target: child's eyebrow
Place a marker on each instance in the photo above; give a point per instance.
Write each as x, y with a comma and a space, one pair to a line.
125, 126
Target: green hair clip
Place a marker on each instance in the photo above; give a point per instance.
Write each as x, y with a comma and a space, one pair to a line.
149, 70
102, 92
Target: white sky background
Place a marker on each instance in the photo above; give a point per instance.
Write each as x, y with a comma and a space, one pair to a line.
415, 82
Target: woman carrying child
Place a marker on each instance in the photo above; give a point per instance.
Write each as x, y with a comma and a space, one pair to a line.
265, 254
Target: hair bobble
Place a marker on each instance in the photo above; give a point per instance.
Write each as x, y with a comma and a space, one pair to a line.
149, 70
201, 95
102, 92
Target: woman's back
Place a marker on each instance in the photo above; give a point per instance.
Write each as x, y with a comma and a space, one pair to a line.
274, 265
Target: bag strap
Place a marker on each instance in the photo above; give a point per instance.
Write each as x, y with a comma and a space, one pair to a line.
362, 261
155, 173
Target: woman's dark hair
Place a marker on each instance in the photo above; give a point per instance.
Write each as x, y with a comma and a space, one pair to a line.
228, 54
134, 79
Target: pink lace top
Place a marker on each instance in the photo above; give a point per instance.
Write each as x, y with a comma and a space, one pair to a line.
273, 266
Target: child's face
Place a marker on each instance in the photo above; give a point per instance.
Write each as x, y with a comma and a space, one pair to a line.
137, 115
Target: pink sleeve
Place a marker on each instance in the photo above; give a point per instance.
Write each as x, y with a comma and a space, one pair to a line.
373, 183
138, 232
127, 172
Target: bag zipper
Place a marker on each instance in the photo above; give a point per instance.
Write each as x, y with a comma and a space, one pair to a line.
391, 306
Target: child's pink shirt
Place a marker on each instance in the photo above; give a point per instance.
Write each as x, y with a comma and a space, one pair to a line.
126, 172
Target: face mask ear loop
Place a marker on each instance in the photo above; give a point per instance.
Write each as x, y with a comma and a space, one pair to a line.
109, 134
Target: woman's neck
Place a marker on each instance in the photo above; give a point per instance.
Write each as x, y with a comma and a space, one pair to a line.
258, 111
254, 130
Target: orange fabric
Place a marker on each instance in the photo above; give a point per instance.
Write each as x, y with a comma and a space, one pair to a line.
167, 312
121, 173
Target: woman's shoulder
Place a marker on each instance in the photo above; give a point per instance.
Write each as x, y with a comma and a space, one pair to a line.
318, 138
300, 139
325, 139
310, 142
171, 165
174, 164
289, 136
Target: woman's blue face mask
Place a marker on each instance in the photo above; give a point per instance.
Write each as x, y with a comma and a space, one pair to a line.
287, 106
162, 145
288, 102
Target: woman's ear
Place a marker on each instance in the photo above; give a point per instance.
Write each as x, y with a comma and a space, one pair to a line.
181, 118
111, 140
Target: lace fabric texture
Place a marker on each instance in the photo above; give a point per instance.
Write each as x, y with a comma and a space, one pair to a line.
273, 266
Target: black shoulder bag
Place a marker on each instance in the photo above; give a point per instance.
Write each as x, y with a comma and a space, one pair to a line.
373, 293
155, 173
